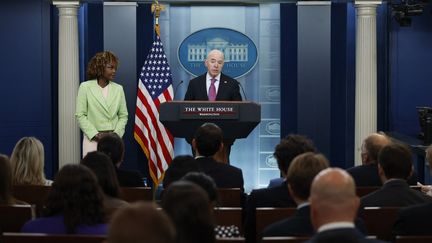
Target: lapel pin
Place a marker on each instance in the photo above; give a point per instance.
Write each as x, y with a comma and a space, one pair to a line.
225, 82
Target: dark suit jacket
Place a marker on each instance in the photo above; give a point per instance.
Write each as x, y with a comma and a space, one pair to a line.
394, 193
414, 220
346, 235
228, 89
278, 197
297, 225
224, 175
367, 175
129, 178
300, 225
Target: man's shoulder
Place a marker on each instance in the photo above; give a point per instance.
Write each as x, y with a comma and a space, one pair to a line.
263, 192
358, 168
225, 77
198, 78
233, 168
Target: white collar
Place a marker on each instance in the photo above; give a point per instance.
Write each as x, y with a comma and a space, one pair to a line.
208, 77
336, 225
302, 205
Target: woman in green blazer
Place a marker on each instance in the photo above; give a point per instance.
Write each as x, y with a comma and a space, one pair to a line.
101, 103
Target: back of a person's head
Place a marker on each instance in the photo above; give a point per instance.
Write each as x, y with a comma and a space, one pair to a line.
373, 144
103, 168
333, 185
205, 182
112, 145
76, 195
141, 222
208, 139
395, 161
5, 180
289, 147
303, 170
333, 197
27, 161
179, 167
188, 206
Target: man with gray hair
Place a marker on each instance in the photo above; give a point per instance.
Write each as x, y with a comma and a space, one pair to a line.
213, 85
367, 173
334, 206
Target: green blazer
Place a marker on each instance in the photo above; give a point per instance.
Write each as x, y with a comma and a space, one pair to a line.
95, 113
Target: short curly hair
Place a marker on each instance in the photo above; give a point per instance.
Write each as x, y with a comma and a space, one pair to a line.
97, 64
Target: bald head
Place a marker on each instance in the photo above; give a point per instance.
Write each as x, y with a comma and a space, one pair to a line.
371, 147
333, 197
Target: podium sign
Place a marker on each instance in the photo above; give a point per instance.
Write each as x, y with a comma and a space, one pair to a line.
214, 111
236, 118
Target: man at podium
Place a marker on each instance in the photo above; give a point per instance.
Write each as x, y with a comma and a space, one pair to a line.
215, 86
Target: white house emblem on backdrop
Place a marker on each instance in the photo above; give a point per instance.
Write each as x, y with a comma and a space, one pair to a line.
239, 50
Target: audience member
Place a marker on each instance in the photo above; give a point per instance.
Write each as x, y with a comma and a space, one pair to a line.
427, 189
188, 206
141, 222
209, 186
6, 197
367, 173
112, 145
334, 205
288, 148
74, 205
394, 167
27, 162
301, 172
207, 141
278, 195
103, 168
178, 168
415, 220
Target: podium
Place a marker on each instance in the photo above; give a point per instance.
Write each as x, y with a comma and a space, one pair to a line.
237, 119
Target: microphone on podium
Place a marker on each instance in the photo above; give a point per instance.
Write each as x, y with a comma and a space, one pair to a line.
241, 86
176, 88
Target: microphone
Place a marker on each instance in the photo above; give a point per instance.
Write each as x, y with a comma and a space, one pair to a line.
176, 88
241, 86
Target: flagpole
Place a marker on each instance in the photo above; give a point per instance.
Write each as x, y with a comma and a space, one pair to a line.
157, 8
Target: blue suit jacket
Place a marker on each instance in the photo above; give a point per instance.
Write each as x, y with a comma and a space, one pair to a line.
228, 89
95, 113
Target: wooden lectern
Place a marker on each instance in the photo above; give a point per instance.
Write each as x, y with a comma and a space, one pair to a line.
237, 119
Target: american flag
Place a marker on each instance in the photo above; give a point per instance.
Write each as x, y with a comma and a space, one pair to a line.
154, 88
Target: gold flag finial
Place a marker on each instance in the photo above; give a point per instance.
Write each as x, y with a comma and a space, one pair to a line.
157, 8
